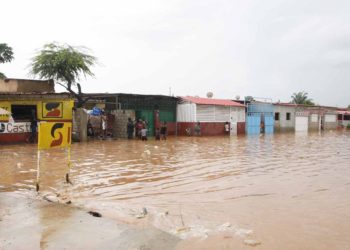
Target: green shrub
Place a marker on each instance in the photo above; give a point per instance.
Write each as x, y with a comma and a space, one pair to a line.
348, 126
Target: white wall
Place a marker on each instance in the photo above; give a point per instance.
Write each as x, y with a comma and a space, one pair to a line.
189, 112
205, 113
283, 122
186, 112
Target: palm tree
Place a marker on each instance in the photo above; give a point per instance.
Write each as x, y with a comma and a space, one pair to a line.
6, 55
65, 64
301, 98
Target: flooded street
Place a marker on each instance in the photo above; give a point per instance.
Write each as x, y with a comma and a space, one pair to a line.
286, 191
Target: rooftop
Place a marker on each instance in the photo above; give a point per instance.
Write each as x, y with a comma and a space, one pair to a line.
211, 101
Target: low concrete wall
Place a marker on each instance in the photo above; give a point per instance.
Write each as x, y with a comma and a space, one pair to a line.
80, 121
121, 121
208, 128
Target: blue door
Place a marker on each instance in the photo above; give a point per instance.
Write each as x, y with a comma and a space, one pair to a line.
253, 123
269, 123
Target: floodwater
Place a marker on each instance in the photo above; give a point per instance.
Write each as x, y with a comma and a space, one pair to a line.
285, 191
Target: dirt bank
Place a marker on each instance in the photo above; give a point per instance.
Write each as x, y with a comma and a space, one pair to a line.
27, 223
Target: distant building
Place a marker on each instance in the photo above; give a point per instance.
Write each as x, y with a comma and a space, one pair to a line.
297, 117
284, 117
343, 117
22, 108
11, 85
260, 118
24, 100
154, 109
212, 115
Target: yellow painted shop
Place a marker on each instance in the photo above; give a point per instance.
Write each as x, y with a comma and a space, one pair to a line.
19, 111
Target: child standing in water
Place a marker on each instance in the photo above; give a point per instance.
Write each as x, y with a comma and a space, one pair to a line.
197, 129
144, 132
227, 128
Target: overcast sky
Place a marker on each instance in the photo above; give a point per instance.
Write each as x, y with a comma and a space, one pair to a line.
268, 48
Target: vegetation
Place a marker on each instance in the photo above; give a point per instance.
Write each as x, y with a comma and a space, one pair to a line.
249, 99
6, 55
348, 126
64, 64
302, 98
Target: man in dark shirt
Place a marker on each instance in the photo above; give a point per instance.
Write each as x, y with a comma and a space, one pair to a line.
130, 128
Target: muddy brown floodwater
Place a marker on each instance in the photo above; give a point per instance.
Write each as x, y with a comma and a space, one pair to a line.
286, 191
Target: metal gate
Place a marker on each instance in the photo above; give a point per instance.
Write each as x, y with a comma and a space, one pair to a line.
253, 123
260, 118
269, 123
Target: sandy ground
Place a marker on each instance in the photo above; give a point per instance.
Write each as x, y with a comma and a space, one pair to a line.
38, 224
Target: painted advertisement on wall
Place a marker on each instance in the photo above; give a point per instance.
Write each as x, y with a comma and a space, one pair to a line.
4, 116
54, 134
14, 128
52, 109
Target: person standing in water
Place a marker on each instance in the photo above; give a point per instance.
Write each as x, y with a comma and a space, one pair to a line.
144, 132
197, 129
130, 128
163, 131
139, 127
157, 135
227, 128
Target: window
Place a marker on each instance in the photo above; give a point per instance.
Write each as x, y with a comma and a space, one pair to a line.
23, 112
277, 116
288, 116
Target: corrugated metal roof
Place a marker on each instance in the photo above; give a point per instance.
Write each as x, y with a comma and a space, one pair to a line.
343, 112
211, 101
285, 104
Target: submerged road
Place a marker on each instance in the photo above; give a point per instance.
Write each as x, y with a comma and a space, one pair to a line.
284, 191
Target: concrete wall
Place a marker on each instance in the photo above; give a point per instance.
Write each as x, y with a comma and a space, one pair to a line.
330, 120
121, 121
80, 120
283, 124
208, 128
26, 86
314, 120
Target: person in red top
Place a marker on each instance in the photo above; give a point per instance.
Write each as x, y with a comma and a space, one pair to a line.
139, 127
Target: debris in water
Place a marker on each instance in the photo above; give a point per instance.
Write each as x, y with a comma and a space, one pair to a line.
144, 211
243, 232
252, 243
183, 229
142, 214
50, 198
95, 214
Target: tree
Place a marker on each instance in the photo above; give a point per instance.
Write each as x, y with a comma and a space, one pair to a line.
249, 98
6, 55
64, 64
301, 98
